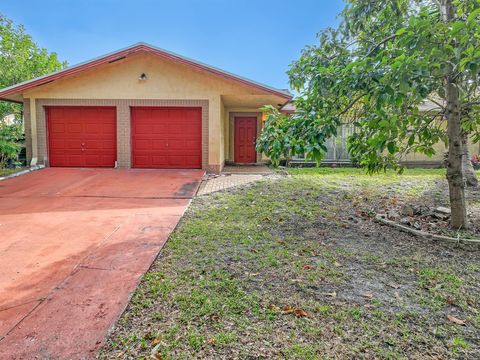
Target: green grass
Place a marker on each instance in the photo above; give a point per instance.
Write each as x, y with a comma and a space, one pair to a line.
6, 172
237, 259
349, 171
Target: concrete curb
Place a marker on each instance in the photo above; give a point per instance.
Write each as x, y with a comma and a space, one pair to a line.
425, 234
23, 172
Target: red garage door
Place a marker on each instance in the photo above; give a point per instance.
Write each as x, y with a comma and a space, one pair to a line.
82, 136
167, 138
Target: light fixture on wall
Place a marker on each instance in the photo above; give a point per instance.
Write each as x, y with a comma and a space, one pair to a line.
142, 77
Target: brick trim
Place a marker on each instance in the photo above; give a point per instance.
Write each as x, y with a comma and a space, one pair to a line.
123, 123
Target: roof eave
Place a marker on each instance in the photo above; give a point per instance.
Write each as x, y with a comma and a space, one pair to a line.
19, 88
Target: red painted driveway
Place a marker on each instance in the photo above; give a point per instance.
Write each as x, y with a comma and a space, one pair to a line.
74, 244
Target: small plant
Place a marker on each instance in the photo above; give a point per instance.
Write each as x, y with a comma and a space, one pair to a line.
458, 344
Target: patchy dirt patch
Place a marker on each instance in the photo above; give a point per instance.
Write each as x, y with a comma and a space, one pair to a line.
297, 268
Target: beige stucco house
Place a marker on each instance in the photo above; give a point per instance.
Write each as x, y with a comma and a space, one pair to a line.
143, 107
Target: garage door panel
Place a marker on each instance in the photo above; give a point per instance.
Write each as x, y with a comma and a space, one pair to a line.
142, 129
166, 137
192, 144
159, 145
108, 144
160, 129
142, 145
92, 145
73, 145
58, 127
108, 128
92, 160
192, 160
73, 160
160, 160
82, 136
57, 144
178, 128
74, 128
141, 160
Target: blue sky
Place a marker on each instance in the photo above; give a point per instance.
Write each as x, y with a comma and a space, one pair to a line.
257, 39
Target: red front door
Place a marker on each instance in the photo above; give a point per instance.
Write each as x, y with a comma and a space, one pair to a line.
167, 137
245, 137
82, 136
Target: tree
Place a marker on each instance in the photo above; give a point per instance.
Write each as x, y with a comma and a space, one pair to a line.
21, 59
383, 62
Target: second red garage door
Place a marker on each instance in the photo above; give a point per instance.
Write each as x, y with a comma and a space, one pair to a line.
166, 138
82, 136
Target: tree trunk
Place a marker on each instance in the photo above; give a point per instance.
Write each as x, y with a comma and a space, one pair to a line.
455, 138
470, 177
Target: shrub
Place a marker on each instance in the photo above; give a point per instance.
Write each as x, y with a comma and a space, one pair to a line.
11, 137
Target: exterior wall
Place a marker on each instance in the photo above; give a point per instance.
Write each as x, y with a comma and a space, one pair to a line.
123, 124
28, 130
167, 84
440, 149
223, 138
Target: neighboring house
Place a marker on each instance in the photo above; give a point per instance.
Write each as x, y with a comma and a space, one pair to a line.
8, 119
337, 152
143, 107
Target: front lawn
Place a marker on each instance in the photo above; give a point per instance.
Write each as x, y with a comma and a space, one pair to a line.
297, 268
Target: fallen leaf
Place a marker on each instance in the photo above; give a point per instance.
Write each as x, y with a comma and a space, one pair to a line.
273, 307
337, 264
393, 285
288, 309
155, 353
300, 313
308, 267
455, 320
368, 295
332, 294
211, 341
156, 341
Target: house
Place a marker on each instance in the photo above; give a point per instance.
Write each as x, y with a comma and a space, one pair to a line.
143, 107
8, 119
337, 152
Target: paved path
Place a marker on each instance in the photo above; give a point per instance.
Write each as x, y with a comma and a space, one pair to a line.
74, 244
223, 182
